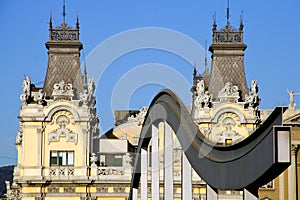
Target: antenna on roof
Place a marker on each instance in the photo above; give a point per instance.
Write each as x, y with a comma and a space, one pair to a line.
228, 12
64, 11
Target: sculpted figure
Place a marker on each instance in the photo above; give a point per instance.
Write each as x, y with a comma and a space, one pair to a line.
26, 86
253, 100
26, 90
41, 96
292, 95
200, 87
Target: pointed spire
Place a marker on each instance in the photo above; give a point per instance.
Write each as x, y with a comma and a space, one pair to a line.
242, 21
205, 58
215, 22
84, 73
228, 12
64, 11
50, 21
195, 75
77, 22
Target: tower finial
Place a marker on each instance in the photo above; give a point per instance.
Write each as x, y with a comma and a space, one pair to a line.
215, 18
228, 12
50, 21
64, 11
205, 58
77, 22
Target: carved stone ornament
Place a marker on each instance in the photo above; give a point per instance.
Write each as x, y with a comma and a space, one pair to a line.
203, 98
12, 193
93, 159
19, 137
25, 96
62, 131
292, 95
84, 97
62, 90
41, 97
105, 171
87, 97
294, 149
230, 93
253, 100
228, 123
91, 87
140, 117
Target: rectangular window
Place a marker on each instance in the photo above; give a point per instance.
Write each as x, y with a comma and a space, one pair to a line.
114, 160
61, 158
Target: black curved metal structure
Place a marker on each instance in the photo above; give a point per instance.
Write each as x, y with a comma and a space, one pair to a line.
249, 164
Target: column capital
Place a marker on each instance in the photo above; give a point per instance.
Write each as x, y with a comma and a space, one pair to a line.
294, 149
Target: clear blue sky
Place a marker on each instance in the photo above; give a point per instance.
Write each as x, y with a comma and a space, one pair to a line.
271, 32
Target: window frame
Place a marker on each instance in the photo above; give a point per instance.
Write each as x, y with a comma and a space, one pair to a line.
62, 158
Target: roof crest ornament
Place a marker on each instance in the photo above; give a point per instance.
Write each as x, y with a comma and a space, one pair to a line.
64, 11
228, 12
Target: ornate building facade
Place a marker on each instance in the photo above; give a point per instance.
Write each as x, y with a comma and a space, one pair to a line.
61, 157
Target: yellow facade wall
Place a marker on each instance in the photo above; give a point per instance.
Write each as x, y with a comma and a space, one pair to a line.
30, 146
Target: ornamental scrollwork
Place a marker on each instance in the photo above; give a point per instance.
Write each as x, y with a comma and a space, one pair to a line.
140, 117
230, 93
62, 90
55, 135
102, 171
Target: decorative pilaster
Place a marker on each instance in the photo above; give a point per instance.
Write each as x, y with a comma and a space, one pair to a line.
292, 179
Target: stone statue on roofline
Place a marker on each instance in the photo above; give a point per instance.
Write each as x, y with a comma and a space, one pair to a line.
253, 100
203, 98
25, 96
292, 104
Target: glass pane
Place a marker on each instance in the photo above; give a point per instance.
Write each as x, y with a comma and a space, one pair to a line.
70, 158
64, 158
53, 153
113, 160
53, 161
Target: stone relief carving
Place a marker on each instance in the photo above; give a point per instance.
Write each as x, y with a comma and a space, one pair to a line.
140, 117
25, 96
104, 171
252, 100
62, 90
230, 93
55, 135
228, 134
12, 193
